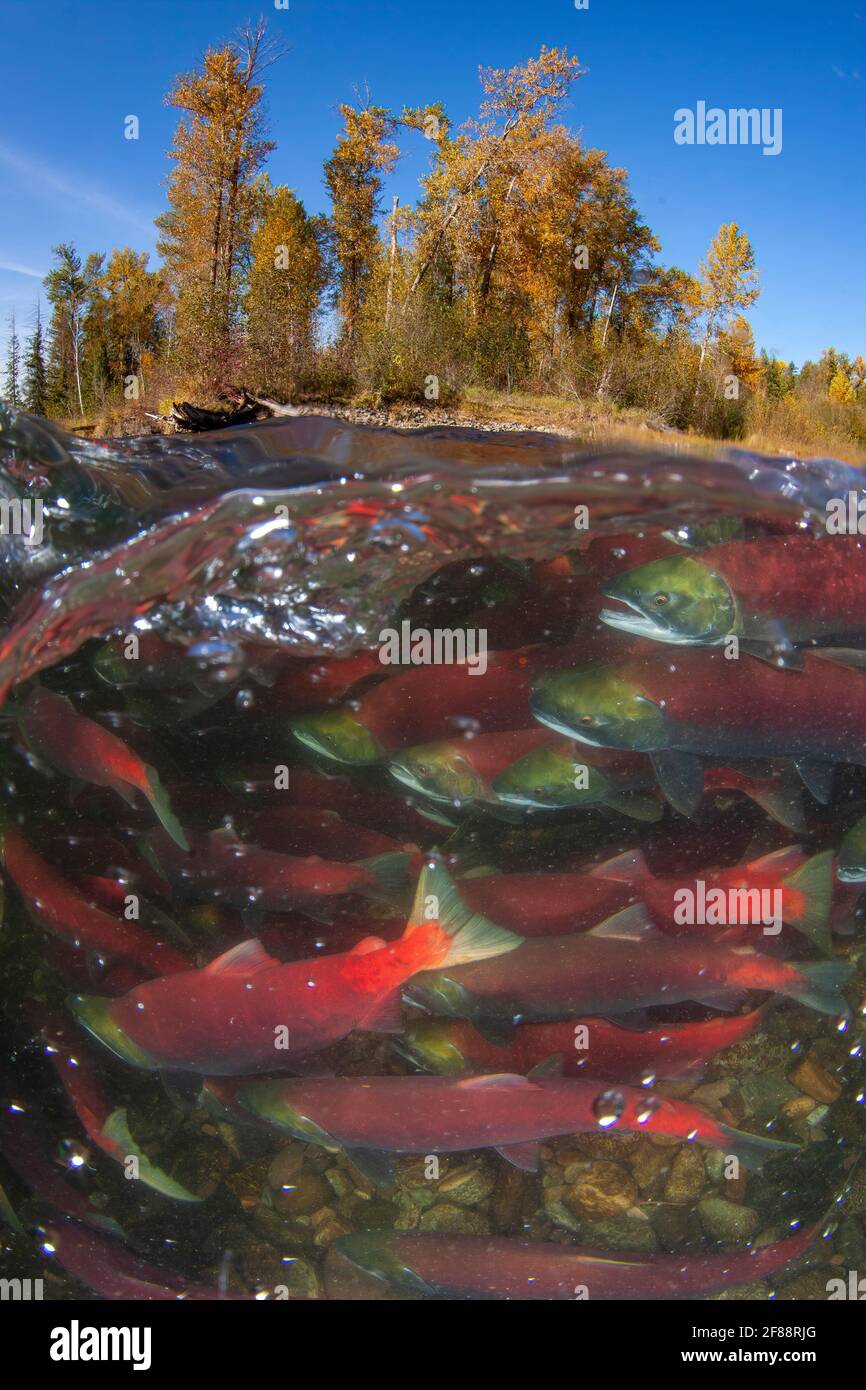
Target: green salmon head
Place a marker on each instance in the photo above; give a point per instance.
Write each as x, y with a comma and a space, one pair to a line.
428, 1044
377, 1253
265, 1100
93, 1012
603, 708
548, 778
439, 771
335, 734
852, 855
675, 599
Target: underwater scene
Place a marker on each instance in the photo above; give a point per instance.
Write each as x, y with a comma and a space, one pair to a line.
432, 868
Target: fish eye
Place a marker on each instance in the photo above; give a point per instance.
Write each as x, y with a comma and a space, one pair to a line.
423, 769
586, 719
661, 599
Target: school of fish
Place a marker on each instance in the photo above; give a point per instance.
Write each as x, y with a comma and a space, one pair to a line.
552, 888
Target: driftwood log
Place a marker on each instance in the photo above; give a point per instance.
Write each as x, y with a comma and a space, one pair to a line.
246, 410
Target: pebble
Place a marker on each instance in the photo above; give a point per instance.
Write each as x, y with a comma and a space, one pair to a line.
813, 1080
604, 1189
687, 1177
726, 1220
454, 1220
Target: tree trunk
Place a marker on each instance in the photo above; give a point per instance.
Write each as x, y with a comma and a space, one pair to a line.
389, 298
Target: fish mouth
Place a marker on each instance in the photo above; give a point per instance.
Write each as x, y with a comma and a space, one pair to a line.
851, 873
555, 722
638, 624
407, 778
93, 1012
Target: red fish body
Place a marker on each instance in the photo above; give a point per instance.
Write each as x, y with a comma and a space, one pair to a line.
497, 1267
546, 904
617, 968
813, 589
304, 830
222, 866
81, 748
59, 909
587, 1046
246, 1012
741, 901
443, 1114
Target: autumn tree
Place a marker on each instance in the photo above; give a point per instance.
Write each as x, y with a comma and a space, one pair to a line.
728, 281
841, 389
12, 382
288, 274
219, 149
35, 381
133, 298
353, 176
737, 344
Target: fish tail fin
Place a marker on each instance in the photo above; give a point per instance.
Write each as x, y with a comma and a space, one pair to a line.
782, 800
463, 935
753, 1150
821, 986
629, 867
158, 798
813, 886
392, 871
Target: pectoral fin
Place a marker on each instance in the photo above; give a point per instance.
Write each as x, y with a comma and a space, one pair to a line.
779, 654
681, 778
818, 779
375, 1164
523, 1156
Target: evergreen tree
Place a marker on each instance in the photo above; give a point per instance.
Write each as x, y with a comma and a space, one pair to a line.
12, 383
35, 392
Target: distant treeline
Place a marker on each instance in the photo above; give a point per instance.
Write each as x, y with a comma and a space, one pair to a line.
525, 265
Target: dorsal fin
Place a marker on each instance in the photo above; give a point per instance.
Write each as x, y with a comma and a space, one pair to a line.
632, 924
628, 867
474, 1083
244, 959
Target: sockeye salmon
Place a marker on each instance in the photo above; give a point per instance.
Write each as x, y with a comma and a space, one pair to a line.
81, 748
586, 1046
513, 1114
618, 967
785, 886
775, 595
246, 1012
498, 1267
695, 704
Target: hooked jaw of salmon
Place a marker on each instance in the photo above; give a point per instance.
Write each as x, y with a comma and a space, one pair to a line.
93, 1012
675, 599
601, 708
334, 734
443, 774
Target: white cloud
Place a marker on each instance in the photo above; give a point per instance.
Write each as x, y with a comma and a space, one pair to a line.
15, 269
40, 177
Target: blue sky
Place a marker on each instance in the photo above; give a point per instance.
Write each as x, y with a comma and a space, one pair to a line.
73, 71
